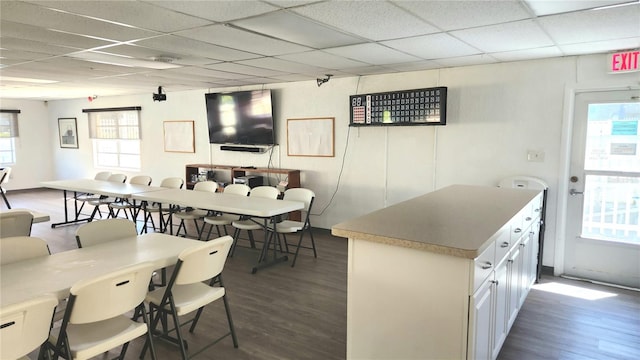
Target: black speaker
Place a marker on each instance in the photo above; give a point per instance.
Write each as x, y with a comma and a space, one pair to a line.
240, 148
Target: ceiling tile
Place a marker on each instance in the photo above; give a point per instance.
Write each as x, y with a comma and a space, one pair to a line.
537, 53
32, 46
517, 35
322, 59
282, 65
182, 45
372, 54
34, 33
218, 10
594, 25
435, 46
134, 13
244, 69
296, 29
415, 66
454, 15
600, 46
467, 60
541, 8
32, 14
364, 19
234, 38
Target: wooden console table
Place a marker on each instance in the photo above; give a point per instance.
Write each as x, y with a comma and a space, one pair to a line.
292, 176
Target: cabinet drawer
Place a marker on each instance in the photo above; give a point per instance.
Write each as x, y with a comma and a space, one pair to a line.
483, 266
504, 243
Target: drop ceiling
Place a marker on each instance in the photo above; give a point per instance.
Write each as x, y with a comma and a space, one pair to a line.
74, 49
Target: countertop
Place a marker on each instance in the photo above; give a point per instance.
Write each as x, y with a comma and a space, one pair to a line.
457, 220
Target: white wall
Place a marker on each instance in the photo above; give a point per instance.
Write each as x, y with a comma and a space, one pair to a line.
496, 113
33, 146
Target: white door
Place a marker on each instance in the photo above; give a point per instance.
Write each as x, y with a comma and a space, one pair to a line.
602, 241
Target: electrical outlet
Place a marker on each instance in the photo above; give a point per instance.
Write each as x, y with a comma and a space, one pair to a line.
536, 156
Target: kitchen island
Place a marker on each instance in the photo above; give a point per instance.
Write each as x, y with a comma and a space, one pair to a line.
440, 276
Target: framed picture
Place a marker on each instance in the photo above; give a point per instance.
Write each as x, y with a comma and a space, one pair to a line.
178, 136
68, 130
310, 137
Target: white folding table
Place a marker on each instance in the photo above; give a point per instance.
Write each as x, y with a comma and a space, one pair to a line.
255, 207
56, 273
91, 186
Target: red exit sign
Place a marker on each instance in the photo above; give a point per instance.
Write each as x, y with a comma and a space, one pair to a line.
626, 61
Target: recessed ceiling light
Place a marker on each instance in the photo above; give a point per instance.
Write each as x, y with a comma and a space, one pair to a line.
27, 80
119, 60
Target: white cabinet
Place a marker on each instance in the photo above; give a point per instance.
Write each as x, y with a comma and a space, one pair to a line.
501, 284
432, 277
480, 319
515, 271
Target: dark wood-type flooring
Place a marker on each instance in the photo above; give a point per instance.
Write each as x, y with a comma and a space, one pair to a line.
300, 313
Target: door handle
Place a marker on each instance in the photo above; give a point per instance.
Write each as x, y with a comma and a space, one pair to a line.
574, 192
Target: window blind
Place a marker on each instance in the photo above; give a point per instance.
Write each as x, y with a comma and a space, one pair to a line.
114, 123
9, 123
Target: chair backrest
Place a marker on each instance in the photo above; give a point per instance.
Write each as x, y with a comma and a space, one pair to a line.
100, 231
15, 223
17, 248
140, 180
237, 189
172, 183
203, 262
120, 178
25, 326
303, 195
5, 174
210, 186
102, 175
109, 295
265, 192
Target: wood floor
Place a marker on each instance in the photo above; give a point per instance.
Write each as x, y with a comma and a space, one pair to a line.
300, 313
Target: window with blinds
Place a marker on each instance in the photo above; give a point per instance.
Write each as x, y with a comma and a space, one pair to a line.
116, 137
8, 133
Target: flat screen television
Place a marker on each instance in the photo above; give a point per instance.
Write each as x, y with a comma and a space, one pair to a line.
242, 117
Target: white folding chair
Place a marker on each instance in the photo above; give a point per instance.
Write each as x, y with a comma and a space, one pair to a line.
149, 209
97, 232
125, 204
5, 174
195, 214
15, 223
188, 292
305, 196
18, 248
25, 326
246, 223
225, 219
106, 200
97, 318
85, 197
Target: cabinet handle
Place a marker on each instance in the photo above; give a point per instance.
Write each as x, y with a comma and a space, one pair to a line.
528, 218
494, 282
517, 230
504, 244
510, 261
522, 244
487, 265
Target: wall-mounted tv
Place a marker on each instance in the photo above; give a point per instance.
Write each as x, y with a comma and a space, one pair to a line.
242, 117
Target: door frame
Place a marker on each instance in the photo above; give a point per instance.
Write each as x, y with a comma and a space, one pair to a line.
568, 113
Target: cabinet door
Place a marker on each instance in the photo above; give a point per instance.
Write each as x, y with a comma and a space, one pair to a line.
501, 308
526, 250
480, 321
514, 271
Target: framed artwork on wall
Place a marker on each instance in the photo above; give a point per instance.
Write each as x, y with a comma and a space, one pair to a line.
178, 136
310, 137
68, 131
